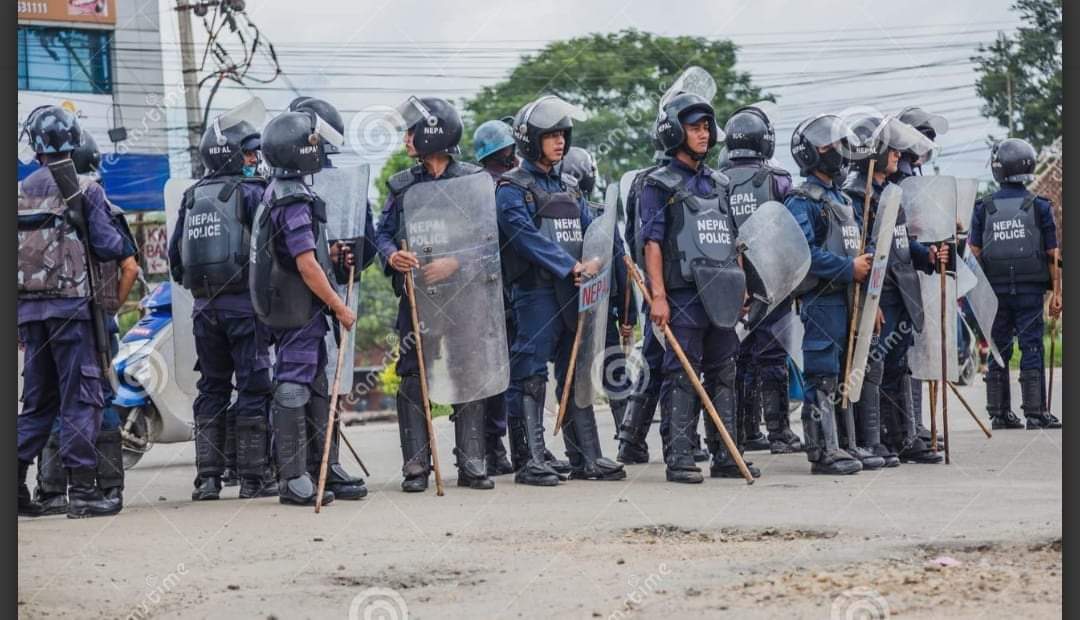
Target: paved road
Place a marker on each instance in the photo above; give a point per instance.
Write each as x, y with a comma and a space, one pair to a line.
636, 548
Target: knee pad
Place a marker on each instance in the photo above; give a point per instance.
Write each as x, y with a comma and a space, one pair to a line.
291, 395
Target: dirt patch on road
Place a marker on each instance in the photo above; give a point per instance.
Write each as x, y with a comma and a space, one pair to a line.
667, 533
961, 579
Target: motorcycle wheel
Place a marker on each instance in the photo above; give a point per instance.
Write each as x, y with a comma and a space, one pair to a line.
136, 437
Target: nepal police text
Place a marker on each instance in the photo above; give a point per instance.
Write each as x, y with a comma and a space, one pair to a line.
1009, 229
430, 233
204, 225
713, 232
567, 230
743, 204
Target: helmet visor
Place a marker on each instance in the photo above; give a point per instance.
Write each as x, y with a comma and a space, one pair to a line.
413, 111
251, 111
828, 129
693, 80
901, 136
548, 111
918, 117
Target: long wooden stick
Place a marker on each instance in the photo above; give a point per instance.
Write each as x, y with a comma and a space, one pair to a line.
331, 421
944, 359
568, 381
691, 374
1053, 345
433, 444
849, 417
356, 456
964, 402
933, 415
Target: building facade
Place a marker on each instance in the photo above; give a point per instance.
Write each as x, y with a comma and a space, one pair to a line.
102, 60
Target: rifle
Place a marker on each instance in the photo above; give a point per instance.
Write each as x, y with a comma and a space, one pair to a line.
67, 181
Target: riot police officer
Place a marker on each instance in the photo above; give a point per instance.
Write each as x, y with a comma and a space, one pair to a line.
291, 292
118, 276
886, 390
433, 130
1014, 236
493, 146
338, 480
832, 230
762, 376
579, 169
208, 255
930, 125
687, 239
543, 224
63, 370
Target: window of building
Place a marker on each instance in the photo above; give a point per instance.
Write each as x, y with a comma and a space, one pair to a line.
65, 60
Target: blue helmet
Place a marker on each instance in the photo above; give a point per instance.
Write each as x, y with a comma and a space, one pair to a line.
53, 129
491, 137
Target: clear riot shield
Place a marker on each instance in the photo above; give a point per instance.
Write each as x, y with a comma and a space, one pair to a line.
789, 331
183, 363
344, 190
983, 302
593, 304
924, 356
967, 190
929, 204
884, 225
450, 226
774, 245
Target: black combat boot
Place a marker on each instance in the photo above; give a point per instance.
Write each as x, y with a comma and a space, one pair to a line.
51, 492
412, 426
295, 485
495, 450
999, 401
338, 480
1032, 390
230, 477
252, 457
774, 405
538, 470
209, 457
913, 449
698, 448
720, 385
519, 441
819, 421
681, 407
590, 463
85, 499
110, 465
27, 506
468, 419
618, 413
749, 416
640, 408
868, 418
890, 418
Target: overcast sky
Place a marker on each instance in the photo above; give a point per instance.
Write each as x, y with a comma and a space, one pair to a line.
365, 55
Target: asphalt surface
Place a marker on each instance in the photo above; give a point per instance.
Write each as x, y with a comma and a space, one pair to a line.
791, 544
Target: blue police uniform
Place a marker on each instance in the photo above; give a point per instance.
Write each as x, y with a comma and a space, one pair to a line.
62, 376
1020, 299
711, 350
544, 330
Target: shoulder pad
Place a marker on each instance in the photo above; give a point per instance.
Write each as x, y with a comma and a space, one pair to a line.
290, 190
778, 171
463, 168
855, 183
665, 177
400, 181
516, 176
809, 190
719, 178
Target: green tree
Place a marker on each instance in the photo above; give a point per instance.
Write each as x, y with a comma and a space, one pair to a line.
1029, 65
618, 79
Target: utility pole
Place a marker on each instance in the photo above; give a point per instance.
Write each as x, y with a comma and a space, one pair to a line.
191, 86
1008, 93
